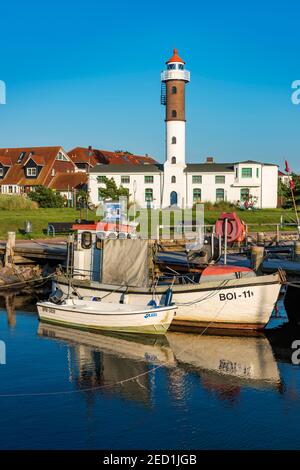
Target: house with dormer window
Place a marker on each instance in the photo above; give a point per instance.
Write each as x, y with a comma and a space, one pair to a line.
23, 169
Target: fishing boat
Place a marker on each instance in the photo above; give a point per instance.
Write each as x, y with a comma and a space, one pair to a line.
217, 296
95, 315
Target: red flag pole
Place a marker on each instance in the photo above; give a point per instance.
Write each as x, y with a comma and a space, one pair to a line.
292, 193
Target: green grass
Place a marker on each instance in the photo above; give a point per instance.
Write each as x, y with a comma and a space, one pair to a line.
15, 220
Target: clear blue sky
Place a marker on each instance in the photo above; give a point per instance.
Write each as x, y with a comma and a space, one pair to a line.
88, 73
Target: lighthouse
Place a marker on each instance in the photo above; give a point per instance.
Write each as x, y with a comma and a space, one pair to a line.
173, 81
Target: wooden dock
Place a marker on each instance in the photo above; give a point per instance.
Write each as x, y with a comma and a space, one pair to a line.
31, 251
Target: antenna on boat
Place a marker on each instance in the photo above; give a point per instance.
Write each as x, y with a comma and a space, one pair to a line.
70, 244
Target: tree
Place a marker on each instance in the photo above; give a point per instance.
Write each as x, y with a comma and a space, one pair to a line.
46, 197
111, 190
285, 192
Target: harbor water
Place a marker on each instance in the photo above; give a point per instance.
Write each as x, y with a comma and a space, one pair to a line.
68, 389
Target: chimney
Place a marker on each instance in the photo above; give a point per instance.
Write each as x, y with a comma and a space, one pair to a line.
209, 159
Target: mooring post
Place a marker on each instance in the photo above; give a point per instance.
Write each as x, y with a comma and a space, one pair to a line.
257, 257
297, 251
10, 248
277, 234
260, 238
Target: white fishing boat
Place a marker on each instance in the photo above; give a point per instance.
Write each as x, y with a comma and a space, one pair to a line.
95, 315
229, 297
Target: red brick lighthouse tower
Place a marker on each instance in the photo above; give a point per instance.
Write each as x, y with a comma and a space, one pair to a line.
174, 79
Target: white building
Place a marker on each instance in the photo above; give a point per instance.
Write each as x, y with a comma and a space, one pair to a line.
183, 184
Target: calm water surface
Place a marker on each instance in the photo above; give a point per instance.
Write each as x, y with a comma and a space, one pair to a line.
66, 389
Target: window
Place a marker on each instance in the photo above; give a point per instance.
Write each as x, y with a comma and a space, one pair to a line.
244, 194
148, 179
173, 160
60, 156
148, 194
101, 179
125, 179
220, 179
257, 172
174, 140
174, 113
53, 172
10, 189
174, 90
1, 172
180, 66
21, 156
246, 172
196, 194
220, 194
173, 179
197, 179
31, 172
236, 172
171, 66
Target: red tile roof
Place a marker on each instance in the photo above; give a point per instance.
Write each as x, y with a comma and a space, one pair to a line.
68, 181
43, 156
6, 161
95, 157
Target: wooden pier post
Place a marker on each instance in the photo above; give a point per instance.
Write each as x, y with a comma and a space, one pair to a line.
260, 238
9, 250
257, 257
297, 251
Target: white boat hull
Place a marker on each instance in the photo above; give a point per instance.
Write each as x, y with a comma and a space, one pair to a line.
107, 316
235, 304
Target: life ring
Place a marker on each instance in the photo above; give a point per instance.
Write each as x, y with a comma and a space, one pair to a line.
236, 230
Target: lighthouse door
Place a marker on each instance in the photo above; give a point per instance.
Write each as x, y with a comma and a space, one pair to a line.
173, 198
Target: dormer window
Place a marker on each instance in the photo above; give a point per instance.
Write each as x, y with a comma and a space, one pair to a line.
62, 157
1, 172
31, 172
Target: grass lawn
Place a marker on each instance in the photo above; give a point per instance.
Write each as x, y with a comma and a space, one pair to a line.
15, 220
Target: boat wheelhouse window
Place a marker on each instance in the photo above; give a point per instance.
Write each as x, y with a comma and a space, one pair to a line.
86, 240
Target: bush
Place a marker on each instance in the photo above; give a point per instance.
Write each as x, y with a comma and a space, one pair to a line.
222, 206
46, 197
14, 202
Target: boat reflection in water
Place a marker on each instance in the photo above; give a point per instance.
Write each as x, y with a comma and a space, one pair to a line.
226, 364
123, 365
122, 361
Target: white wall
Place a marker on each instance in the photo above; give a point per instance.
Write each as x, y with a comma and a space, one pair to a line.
140, 187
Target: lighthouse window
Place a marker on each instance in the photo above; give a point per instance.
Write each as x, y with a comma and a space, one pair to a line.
171, 66
180, 66
173, 140
174, 113
173, 179
173, 160
174, 90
